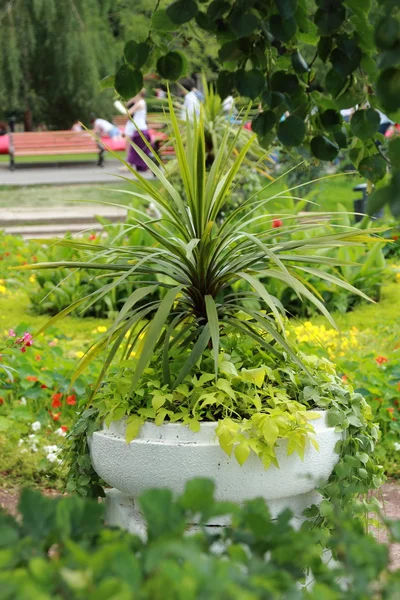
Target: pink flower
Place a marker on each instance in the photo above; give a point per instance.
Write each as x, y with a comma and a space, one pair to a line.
25, 341
11, 333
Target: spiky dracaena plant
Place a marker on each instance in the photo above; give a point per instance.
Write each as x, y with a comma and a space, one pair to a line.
196, 262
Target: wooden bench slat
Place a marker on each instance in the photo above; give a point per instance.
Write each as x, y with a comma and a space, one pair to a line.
53, 143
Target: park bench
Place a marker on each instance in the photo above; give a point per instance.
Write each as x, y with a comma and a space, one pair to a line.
53, 143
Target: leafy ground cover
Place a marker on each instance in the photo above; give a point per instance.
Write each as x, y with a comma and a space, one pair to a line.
367, 354
37, 403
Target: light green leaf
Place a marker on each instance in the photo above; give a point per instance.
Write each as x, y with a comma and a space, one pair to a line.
242, 452
134, 423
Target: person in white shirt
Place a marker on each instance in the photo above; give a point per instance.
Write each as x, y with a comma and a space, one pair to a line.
102, 127
138, 123
191, 102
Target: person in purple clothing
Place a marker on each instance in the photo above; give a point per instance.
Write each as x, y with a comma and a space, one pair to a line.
138, 113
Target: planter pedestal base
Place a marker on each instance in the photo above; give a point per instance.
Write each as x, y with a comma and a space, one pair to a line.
123, 511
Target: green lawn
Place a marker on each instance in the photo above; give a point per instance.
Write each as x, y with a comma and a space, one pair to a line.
14, 310
46, 195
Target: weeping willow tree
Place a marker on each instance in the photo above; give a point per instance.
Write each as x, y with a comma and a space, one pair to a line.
52, 55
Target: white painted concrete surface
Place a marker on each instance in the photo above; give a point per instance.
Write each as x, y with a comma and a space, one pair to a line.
171, 454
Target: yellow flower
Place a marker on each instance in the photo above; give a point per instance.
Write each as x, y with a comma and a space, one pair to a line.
32, 279
1, 281
2, 289
398, 276
100, 329
79, 354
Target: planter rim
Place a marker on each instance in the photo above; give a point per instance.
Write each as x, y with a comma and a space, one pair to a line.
181, 433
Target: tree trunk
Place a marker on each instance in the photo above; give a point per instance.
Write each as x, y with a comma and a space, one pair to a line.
28, 120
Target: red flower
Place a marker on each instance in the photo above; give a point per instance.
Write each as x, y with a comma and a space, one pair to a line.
56, 400
381, 359
395, 238
32, 378
345, 378
64, 428
38, 357
55, 416
1, 401
43, 386
71, 400
277, 223
390, 410
92, 237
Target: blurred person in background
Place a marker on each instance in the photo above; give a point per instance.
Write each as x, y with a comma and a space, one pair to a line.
136, 129
77, 126
191, 101
102, 127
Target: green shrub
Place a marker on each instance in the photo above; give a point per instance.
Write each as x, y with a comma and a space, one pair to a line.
50, 292
60, 549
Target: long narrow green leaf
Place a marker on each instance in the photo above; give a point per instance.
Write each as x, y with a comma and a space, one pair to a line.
212, 316
153, 333
335, 280
265, 295
276, 336
194, 356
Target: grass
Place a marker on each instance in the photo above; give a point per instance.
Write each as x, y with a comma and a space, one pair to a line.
379, 322
325, 193
14, 310
65, 195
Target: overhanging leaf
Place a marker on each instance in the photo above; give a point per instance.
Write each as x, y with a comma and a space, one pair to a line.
182, 11
128, 82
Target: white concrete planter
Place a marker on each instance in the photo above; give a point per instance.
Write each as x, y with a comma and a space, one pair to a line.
171, 454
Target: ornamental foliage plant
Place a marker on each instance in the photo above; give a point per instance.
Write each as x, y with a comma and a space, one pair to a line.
201, 350
196, 262
309, 58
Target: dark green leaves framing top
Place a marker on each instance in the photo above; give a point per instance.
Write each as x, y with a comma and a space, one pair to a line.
310, 58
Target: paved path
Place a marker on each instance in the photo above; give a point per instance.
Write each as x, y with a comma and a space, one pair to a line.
26, 174
57, 220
